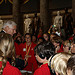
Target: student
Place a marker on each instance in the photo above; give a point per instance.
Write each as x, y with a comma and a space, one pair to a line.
27, 53
57, 42
73, 47
7, 51
43, 51
46, 36
58, 63
34, 39
67, 46
71, 66
40, 39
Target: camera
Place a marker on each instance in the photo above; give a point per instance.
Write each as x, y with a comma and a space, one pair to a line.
53, 25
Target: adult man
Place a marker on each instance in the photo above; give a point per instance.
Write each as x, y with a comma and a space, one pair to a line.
27, 53
9, 27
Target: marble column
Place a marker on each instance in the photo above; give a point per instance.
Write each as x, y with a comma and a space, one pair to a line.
18, 16
73, 11
44, 14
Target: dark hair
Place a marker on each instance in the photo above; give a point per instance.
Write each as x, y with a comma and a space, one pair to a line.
35, 36
41, 38
45, 49
28, 34
57, 40
17, 41
71, 64
47, 35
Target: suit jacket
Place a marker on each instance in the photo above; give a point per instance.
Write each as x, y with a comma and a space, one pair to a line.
2, 31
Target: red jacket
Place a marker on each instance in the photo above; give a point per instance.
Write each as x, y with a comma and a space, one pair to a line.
39, 36
61, 49
43, 70
71, 38
17, 50
10, 70
31, 60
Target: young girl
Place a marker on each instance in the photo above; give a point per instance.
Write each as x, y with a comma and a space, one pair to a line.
58, 63
7, 51
46, 36
67, 46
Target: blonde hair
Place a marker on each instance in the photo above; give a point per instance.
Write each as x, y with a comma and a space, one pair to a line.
6, 49
59, 63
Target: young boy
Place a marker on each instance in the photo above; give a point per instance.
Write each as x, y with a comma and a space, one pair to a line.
43, 51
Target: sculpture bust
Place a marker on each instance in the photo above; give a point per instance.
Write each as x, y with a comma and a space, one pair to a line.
58, 20
27, 23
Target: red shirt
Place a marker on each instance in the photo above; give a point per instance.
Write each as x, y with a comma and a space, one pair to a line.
71, 38
17, 50
31, 60
10, 70
61, 49
39, 36
43, 70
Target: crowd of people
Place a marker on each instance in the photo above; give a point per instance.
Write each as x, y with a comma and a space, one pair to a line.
43, 54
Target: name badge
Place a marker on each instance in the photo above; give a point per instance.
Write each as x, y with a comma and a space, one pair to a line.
24, 49
32, 49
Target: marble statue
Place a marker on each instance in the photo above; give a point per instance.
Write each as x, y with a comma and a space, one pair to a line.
27, 23
58, 20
